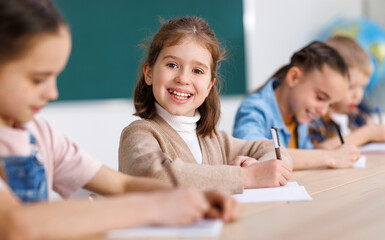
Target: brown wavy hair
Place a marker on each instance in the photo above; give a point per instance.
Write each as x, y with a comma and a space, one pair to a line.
171, 33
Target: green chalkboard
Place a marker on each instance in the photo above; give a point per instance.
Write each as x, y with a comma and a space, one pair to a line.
106, 33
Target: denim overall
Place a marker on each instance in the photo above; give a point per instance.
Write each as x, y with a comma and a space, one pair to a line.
26, 175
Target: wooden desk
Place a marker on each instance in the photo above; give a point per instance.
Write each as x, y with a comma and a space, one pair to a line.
320, 180
347, 204
352, 208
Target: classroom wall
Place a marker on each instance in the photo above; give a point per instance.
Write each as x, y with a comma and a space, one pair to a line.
273, 30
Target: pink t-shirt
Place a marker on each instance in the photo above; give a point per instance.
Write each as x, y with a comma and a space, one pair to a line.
67, 167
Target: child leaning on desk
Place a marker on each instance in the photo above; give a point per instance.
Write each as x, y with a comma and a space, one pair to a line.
298, 92
35, 44
357, 126
178, 102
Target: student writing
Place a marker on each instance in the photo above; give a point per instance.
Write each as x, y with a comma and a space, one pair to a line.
35, 44
298, 92
177, 98
357, 126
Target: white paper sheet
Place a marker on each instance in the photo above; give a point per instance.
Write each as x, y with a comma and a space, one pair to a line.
361, 162
290, 192
373, 148
202, 228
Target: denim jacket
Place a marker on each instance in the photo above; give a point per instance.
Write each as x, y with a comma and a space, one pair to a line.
259, 112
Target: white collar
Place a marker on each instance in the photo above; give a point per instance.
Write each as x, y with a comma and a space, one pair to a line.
179, 123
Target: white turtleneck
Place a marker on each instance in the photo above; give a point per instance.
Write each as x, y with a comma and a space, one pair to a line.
185, 127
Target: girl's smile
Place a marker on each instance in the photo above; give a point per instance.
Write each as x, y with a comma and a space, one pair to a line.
179, 95
181, 77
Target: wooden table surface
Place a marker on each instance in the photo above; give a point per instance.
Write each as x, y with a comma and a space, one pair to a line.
347, 204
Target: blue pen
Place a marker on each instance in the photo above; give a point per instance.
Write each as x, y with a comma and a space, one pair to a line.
378, 110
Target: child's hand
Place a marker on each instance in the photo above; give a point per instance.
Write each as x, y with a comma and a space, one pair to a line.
272, 173
223, 206
243, 161
180, 206
344, 156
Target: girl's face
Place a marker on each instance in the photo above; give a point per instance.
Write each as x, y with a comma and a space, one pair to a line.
29, 82
312, 93
358, 82
181, 77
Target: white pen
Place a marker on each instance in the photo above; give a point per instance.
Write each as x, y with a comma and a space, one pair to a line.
274, 133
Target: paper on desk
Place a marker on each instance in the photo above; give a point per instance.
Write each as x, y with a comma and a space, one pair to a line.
202, 228
361, 162
291, 192
373, 148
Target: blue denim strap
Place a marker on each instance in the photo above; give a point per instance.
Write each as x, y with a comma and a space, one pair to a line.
26, 176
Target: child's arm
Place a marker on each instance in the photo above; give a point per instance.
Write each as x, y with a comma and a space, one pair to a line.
140, 152
267, 170
109, 182
142, 141
343, 156
262, 150
370, 132
66, 219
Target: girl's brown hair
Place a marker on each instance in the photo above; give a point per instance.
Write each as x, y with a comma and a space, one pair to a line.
171, 33
20, 20
314, 56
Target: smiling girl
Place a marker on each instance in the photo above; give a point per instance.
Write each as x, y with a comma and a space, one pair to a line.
177, 98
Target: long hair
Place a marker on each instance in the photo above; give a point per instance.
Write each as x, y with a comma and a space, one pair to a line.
171, 33
313, 57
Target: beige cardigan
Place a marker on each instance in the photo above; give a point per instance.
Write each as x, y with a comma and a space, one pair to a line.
142, 140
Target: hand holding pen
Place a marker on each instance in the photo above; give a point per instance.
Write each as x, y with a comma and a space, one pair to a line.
221, 203
349, 149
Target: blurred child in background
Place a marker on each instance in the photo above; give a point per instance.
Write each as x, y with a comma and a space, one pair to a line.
357, 126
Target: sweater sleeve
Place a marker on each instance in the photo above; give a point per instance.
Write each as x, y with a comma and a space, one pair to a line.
139, 155
262, 150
